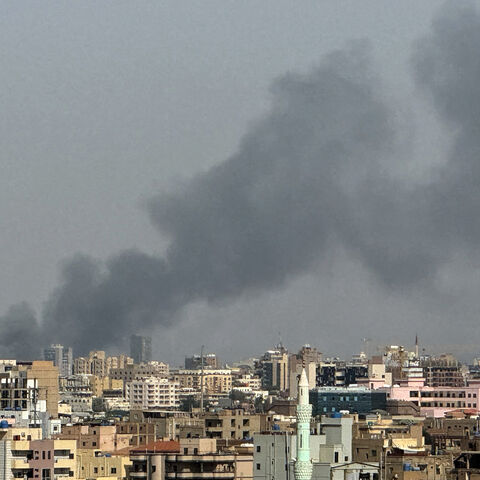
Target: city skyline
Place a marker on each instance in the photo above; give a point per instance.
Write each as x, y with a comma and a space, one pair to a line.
297, 247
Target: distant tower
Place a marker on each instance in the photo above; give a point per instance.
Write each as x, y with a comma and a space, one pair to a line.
303, 464
62, 358
141, 349
416, 347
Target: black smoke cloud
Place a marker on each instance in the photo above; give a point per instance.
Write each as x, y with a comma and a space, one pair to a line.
314, 174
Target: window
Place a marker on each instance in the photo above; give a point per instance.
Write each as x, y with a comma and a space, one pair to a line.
95, 469
113, 470
336, 457
258, 466
185, 451
259, 449
195, 451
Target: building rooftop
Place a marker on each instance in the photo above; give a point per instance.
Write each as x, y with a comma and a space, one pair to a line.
160, 446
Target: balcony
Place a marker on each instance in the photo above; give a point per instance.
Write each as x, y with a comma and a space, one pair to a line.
20, 463
200, 475
221, 459
64, 463
138, 474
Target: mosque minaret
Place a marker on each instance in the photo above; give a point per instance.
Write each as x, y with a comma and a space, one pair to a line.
303, 464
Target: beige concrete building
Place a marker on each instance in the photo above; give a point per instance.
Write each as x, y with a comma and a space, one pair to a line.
104, 438
46, 376
117, 361
94, 464
132, 372
232, 424
99, 384
37, 458
214, 380
93, 364
171, 424
190, 459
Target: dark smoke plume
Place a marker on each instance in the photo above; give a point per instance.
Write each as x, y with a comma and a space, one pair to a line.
313, 174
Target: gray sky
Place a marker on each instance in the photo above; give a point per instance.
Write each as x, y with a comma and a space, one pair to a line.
106, 104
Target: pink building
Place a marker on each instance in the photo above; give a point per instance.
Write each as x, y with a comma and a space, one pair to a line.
436, 401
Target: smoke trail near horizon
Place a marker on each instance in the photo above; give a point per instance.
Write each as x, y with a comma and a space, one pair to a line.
314, 173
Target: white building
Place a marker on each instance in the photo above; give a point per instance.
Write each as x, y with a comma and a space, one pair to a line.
152, 392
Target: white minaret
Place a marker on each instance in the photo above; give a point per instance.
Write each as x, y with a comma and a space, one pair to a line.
303, 464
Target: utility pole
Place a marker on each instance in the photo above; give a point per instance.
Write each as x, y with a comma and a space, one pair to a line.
201, 379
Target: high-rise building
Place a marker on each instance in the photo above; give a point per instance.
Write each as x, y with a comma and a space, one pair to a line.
275, 370
62, 358
141, 348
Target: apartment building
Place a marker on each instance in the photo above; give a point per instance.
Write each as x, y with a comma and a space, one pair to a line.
190, 459
37, 459
30, 386
275, 374
94, 364
99, 384
76, 391
131, 372
210, 360
98, 364
170, 424
117, 361
97, 465
376, 433
436, 401
96, 437
232, 424
152, 392
214, 380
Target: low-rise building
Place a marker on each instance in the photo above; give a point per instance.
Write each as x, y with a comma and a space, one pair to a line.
232, 424
436, 401
190, 459
98, 465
